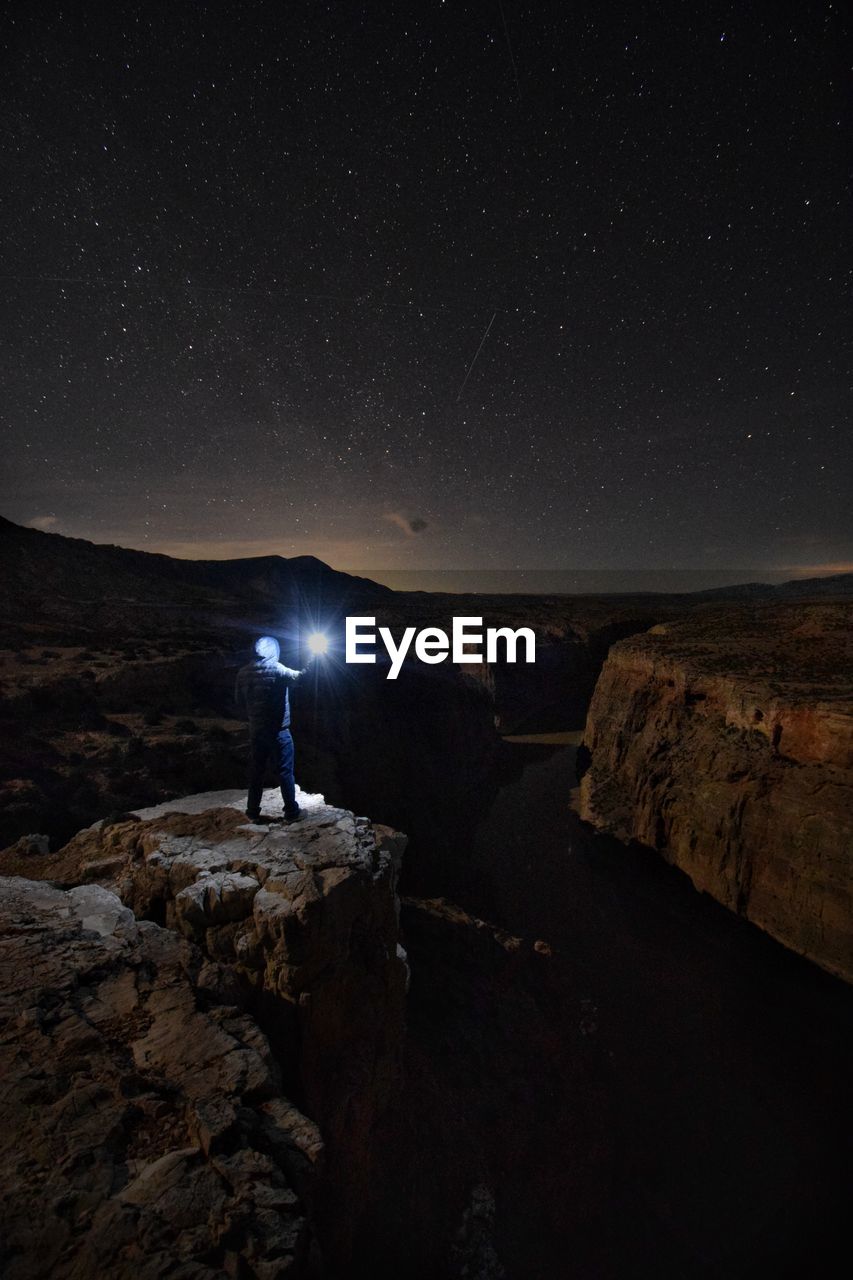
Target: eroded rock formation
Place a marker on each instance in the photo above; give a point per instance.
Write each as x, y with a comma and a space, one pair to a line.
304, 919
143, 1127
725, 741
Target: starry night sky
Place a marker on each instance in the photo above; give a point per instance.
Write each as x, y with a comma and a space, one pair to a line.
250, 252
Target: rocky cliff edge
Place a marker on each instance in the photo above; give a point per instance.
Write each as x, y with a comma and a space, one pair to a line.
198, 1038
725, 741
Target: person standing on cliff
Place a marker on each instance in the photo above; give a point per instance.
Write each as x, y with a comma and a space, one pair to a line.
262, 692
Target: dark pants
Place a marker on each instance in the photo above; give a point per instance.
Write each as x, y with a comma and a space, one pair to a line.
263, 744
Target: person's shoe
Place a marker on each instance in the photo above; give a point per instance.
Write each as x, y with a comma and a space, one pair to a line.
253, 817
292, 815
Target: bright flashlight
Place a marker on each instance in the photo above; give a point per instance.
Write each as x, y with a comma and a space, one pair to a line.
318, 642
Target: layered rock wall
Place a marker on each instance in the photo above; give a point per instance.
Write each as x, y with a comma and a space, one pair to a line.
725, 741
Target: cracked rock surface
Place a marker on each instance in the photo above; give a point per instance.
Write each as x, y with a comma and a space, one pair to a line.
304, 918
143, 1131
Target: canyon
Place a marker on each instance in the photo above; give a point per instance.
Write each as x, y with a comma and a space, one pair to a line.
514, 1041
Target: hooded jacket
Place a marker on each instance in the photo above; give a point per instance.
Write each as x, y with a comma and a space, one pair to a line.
262, 693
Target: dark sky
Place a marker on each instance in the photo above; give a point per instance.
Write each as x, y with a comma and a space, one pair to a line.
250, 251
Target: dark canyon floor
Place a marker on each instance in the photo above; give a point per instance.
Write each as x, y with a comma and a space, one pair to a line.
660, 1089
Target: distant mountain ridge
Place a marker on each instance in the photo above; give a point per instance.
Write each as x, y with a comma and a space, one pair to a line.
37, 548
49, 578
836, 584
53, 580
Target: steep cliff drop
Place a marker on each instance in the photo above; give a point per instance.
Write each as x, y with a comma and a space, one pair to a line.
725, 741
197, 1132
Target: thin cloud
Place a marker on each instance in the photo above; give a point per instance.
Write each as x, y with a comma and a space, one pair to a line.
411, 528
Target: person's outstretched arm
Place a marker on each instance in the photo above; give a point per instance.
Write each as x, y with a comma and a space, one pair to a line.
292, 675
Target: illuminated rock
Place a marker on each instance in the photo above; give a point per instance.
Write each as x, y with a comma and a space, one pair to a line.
725, 741
304, 916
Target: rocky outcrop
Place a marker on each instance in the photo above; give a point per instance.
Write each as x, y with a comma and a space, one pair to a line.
305, 917
725, 741
143, 1130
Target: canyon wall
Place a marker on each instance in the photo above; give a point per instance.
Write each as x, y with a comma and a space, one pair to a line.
553, 694
725, 741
